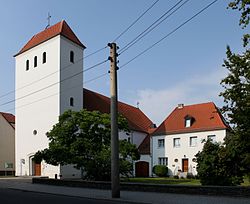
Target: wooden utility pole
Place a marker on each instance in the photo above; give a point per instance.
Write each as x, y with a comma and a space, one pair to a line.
115, 175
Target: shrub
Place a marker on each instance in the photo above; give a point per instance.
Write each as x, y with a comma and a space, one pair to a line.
176, 177
160, 170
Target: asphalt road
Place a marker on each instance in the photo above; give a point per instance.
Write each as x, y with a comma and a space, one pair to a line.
9, 196
21, 190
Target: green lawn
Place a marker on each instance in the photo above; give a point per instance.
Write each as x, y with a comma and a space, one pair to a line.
163, 180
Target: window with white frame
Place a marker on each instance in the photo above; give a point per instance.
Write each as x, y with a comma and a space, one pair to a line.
188, 122
212, 138
193, 141
163, 161
161, 143
177, 142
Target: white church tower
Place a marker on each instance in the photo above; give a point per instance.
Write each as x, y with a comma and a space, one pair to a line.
49, 81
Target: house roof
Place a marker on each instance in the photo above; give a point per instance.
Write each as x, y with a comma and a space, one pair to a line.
205, 117
9, 118
137, 120
60, 28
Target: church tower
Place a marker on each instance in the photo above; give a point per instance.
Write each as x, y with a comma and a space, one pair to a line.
49, 81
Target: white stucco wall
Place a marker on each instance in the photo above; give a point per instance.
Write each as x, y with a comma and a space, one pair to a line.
135, 137
185, 151
40, 111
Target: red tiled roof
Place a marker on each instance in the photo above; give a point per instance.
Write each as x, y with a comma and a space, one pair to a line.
206, 116
137, 120
9, 118
61, 28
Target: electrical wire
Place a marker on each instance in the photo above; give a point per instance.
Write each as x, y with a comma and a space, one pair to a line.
95, 52
153, 26
133, 23
11, 101
170, 33
88, 81
98, 77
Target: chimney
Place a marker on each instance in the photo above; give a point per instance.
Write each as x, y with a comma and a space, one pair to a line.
180, 106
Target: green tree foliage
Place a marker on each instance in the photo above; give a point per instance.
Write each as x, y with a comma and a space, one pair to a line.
215, 166
244, 7
237, 99
83, 139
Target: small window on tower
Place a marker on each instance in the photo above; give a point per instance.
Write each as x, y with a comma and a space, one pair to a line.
71, 57
44, 57
35, 61
71, 101
27, 65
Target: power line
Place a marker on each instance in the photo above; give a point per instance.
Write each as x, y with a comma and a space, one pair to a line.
93, 79
153, 26
170, 33
11, 101
98, 77
93, 53
133, 23
43, 98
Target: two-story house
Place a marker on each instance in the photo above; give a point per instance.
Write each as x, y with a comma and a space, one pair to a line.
182, 134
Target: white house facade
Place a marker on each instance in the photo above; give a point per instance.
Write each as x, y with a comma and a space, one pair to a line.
47, 84
181, 136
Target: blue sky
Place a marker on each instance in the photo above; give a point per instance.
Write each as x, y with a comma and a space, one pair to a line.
184, 68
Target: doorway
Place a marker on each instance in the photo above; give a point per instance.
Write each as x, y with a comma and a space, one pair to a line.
185, 165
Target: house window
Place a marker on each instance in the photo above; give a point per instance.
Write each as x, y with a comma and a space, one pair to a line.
177, 142
44, 57
212, 138
71, 56
160, 143
27, 65
193, 141
188, 122
35, 61
163, 161
71, 101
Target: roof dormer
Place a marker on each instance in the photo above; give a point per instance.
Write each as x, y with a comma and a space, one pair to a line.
189, 120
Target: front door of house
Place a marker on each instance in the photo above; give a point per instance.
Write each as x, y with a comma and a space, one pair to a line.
37, 169
185, 165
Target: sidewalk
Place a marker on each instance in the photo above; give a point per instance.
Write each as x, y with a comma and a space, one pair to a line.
25, 184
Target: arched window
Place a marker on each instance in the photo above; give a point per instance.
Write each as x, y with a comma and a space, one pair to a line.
35, 61
44, 57
27, 65
71, 56
71, 101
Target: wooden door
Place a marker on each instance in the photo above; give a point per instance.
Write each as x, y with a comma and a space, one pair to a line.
37, 170
142, 169
185, 165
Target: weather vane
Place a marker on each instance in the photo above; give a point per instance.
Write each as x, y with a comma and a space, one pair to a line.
48, 18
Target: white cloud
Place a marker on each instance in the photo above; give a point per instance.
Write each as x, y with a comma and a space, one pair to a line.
157, 104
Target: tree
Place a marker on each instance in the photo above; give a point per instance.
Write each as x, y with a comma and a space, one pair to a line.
237, 94
215, 166
244, 7
83, 139
237, 108
226, 165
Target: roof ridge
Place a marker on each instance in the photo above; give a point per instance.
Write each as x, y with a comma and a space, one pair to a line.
60, 28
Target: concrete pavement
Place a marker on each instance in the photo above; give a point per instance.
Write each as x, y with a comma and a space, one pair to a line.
25, 184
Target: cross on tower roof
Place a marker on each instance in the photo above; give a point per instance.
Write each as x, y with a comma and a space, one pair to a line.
48, 18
